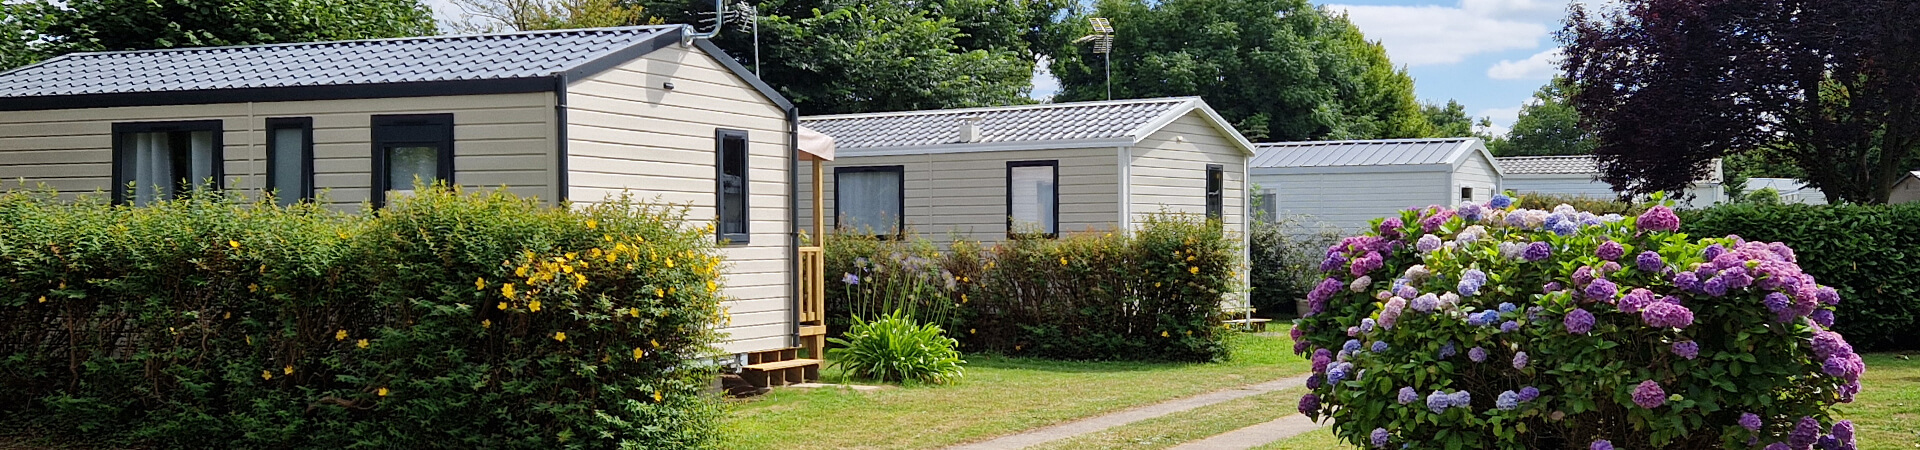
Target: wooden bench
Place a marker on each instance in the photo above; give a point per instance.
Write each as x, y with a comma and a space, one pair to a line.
1252, 325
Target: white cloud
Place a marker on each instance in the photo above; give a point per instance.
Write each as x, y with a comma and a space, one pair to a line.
1426, 35
1502, 119
1044, 83
1540, 66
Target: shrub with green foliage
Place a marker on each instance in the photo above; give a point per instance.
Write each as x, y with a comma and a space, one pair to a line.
1283, 255
877, 276
894, 347
1491, 327
444, 320
1870, 253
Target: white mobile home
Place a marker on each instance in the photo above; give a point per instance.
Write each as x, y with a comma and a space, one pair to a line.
1792, 191
982, 173
1579, 175
567, 115
1345, 184
1907, 189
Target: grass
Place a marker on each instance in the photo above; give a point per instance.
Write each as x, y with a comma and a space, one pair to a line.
1886, 414
1191, 425
997, 396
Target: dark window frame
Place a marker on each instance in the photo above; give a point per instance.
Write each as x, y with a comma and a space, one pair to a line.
1008, 185
121, 129
305, 125
720, 138
1466, 193
1216, 190
900, 226
410, 129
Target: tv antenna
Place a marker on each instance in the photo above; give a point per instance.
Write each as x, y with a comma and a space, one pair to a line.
1102, 39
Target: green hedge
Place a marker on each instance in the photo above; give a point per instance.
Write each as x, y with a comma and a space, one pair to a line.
1871, 254
1153, 294
211, 322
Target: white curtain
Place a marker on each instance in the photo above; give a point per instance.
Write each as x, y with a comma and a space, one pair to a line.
1033, 199
287, 159
201, 160
869, 201
152, 167
406, 164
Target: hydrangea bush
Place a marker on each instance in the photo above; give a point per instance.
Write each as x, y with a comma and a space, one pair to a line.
1490, 326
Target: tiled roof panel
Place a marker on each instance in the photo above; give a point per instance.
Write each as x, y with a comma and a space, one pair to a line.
1028, 123
435, 58
1382, 152
1542, 165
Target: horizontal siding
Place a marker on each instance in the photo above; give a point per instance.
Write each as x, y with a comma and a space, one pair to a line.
1169, 172
964, 195
1580, 185
1347, 201
1477, 173
628, 135
504, 139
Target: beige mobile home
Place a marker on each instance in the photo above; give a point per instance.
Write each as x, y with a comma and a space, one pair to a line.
568, 115
1344, 184
983, 173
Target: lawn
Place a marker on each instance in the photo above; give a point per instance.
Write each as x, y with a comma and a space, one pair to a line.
997, 396
1887, 412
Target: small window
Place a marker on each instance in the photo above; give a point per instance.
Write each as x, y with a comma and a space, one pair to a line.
1033, 197
290, 159
1216, 191
1264, 208
410, 148
1466, 194
731, 176
870, 199
161, 160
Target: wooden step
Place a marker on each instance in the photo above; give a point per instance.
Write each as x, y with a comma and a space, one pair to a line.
788, 364
782, 373
1255, 325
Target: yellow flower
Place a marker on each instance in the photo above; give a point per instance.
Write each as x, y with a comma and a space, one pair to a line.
571, 255
533, 306
592, 224
579, 281
249, 339
635, 312
1189, 257
479, 284
1163, 334
486, 323
969, 331
659, 293
963, 298
502, 305
266, 375
340, 335
669, 291
43, 299
656, 397
507, 290
235, 244
253, 287
228, 315
560, 336
1156, 284
989, 264
520, 272
1063, 260
1193, 270
362, 343
711, 286
638, 352
669, 263
382, 392
289, 369
655, 342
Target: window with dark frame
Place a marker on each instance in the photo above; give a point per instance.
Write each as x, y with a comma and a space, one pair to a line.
1466, 193
1216, 191
731, 177
409, 148
870, 199
290, 159
162, 160
1033, 198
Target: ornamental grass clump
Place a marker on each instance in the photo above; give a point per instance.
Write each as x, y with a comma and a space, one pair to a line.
1584, 331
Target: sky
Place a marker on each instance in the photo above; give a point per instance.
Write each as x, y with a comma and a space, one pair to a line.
1490, 55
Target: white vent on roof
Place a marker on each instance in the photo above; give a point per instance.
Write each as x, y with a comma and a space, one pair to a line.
970, 129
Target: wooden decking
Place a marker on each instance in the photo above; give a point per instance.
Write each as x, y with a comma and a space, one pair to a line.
798, 364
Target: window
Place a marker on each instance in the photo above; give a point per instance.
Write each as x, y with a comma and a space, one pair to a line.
1466, 193
731, 173
164, 159
1033, 197
1264, 208
1216, 191
410, 148
290, 159
870, 199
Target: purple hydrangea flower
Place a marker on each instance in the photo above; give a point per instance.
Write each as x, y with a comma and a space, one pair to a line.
1316, 380
1371, 262
1425, 303
1713, 252
1828, 295
1843, 432
1360, 284
1537, 251
1427, 243
1666, 315
1470, 282
1551, 286
1610, 251
1471, 211
1804, 433
1602, 290
1827, 442
1380, 437
1528, 393
1520, 360
1321, 358
1438, 401
1352, 345
1434, 221
1824, 317
1777, 302
1649, 395
1507, 307
1477, 354
1309, 404
1847, 367
1500, 201
1367, 324
1715, 286
1339, 371
1583, 275
1447, 350
1507, 401
1650, 262
1509, 326
1828, 344
1658, 218
1750, 421
1333, 262
1379, 346
1478, 319
1686, 349
1564, 227
1687, 281
1579, 321
1408, 395
1461, 399
1391, 313
1390, 228
1600, 444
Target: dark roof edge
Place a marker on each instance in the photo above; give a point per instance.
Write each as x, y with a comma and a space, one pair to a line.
743, 73
282, 94
614, 58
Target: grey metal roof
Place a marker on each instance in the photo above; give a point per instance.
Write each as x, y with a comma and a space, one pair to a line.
1082, 121
1549, 165
341, 63
1379, 152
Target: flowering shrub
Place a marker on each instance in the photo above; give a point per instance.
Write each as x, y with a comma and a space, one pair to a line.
444, 320
1488, 326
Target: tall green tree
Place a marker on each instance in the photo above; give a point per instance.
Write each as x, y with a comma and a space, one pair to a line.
16, 37
1449, 120
848, 56
486, 16
1548, 125
1278, 69
59, 27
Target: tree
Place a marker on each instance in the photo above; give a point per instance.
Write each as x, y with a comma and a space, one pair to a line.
1547, 125
59, 27
485, 16
849, 56
1277, 69
1449, 120
16, 37
1668, 85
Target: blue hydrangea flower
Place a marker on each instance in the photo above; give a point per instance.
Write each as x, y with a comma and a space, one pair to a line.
1461, 399
1352, 345
1447, 350
1367, 324
1507, 307
1509, 326
1477, 354
1380, 437
1507, 401
1520, 360
1379, 346
1408, 395
1438, 402
1501, 201
1338, 372
1528, 393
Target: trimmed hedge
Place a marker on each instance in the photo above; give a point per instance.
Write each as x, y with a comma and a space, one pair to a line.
1870, 253
446, 320
1153, 294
